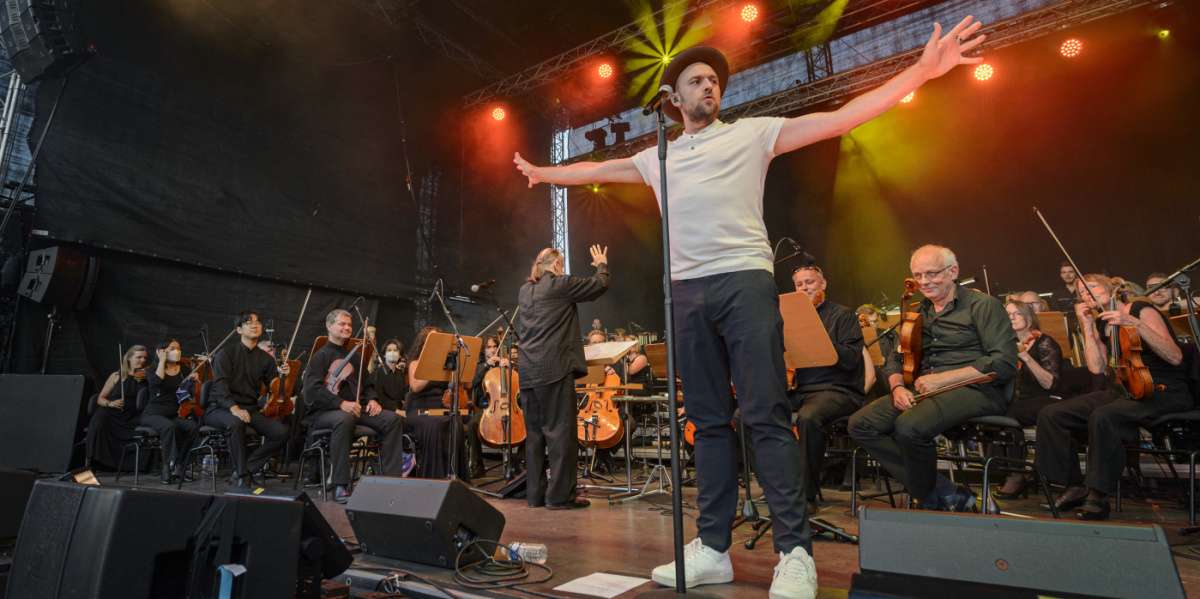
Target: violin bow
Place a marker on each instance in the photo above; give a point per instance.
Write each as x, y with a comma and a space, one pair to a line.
299, 320
121, 360
207, 358
1078, 272
362, 362
986, 378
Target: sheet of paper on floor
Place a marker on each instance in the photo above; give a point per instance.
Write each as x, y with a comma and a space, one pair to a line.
602, 584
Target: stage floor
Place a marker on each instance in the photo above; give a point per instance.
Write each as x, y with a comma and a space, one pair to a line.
634, 537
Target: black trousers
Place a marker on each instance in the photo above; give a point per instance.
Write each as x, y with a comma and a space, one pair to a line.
550, 431
177, 436
817, 410
1110, 422
389, 427
473, 436
274, 433
728, 328
902, 441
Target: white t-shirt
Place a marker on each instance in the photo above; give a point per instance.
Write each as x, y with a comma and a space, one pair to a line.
715, 189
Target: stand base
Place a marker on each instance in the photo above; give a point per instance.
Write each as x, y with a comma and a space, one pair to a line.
663, 476
669, 592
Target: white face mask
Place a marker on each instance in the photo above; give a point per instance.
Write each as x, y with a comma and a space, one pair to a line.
173, 355
393, 357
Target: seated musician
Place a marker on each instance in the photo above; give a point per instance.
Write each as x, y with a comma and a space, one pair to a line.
116, 417
176, 435
431, 429
391, 379
637, 368
488, 360
1109, 416
240, 371
1038, 374
825, 394
343, 409
965, 334
1033, 300
1166, 299
1064, 297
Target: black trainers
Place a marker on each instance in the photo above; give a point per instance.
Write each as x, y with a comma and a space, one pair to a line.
578, 504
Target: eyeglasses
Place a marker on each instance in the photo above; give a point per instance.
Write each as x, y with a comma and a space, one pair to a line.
1015, 315
811, 267
929, 276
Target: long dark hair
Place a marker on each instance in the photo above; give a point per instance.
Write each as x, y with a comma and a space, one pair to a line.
418, 344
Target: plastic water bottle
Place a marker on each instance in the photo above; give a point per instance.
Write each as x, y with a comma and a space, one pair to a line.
207, 465
534, 553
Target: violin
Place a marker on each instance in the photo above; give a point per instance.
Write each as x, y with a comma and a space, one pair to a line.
341, 370
279, 401
139, 374
609, 427
463, 395
864, 321
1126, 353
201, 371
1023, 346
911, 324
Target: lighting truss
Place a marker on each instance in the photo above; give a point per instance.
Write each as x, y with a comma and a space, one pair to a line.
394, 13
840, 86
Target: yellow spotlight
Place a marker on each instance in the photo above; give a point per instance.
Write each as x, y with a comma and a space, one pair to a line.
1164, 33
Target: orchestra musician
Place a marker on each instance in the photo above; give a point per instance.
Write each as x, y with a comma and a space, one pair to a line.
1109, 416
1038, 376
176, 435
426, 416
1064, 297
391, 379
240, 371
965, 334
487, 361
822, 395
343, 407
726, 303
1032, 299
116, 418
551, 359
1166, 299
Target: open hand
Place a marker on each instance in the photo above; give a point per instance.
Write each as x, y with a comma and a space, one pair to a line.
944, 52
526, 168
599, 256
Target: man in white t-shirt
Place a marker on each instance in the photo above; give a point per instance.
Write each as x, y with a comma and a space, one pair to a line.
726, 304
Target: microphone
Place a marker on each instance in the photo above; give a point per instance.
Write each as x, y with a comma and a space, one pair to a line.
656, 102
808, 258
484, 285
637, 326
352, 306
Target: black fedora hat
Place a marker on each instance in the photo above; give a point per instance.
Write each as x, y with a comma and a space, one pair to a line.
705, 54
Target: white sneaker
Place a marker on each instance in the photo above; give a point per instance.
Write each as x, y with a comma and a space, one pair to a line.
701, 565
795, 576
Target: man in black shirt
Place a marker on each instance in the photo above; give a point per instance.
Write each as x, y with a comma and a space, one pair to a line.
825, 394
551, 359
965, 334
240, 371
344, 410
1066, 297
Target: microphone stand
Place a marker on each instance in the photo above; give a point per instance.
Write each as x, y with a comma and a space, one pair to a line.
672, 389
455, 358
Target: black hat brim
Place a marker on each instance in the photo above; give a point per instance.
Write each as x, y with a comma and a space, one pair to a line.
705, 54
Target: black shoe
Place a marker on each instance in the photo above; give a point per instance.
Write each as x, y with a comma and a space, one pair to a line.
1022, 491
166, 480
1063, 506
814, 506
341, 494
570, 505
313, 478
477, 471
1101, 513
238, 480
537, 504
962, 500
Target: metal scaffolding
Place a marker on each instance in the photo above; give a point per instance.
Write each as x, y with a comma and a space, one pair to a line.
558, 201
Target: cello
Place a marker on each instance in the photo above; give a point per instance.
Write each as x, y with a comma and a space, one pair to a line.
501, 390
601, 413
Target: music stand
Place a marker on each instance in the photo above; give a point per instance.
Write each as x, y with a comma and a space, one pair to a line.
439, 361
870, 334
598, 357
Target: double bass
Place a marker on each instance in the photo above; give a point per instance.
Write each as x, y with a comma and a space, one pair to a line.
599, 408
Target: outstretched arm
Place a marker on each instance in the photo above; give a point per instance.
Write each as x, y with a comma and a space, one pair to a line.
581, 173
941, 54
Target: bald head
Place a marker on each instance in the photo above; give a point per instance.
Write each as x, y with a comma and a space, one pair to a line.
1033, 299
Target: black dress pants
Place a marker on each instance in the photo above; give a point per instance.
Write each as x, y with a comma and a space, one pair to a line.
389, 427
1109, 422
902, 440
729, 329
817, 410
550, 431
274, 433
177, 436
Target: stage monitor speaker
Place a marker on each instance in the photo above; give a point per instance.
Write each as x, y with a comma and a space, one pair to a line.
333, 556
421, 520
39, 420
908, 553
60, 277
15, 487
84, 541
42, 37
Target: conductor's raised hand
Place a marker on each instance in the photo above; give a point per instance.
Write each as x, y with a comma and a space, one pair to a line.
944, 52
599, 256
527, 169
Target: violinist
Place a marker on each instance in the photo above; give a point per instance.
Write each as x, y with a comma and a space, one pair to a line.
551, 360
240, 371
1109, 416
1038, 376
176, 435
825, 394
424, 405
487, 361
965, 334
887, 344
391, 379
346, 405
114, 421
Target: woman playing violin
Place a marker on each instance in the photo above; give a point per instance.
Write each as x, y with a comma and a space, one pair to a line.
1037, 380
1112, 415
176, 434
116, 417
431, 430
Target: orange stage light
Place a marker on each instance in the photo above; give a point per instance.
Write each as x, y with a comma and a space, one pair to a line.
749, 13
984, 72
605, 71
498, 114
1071, 48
